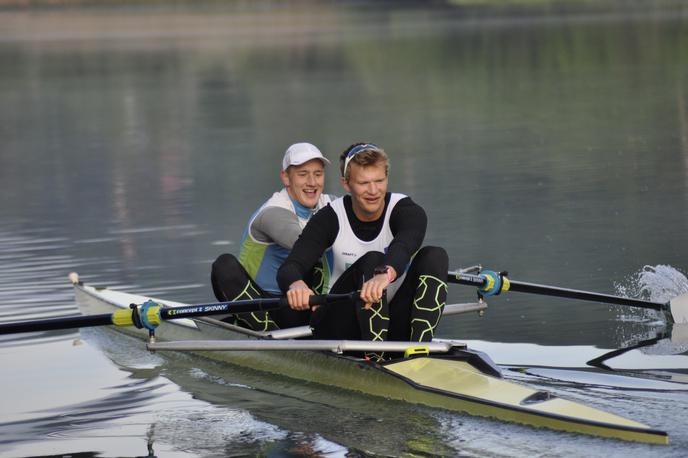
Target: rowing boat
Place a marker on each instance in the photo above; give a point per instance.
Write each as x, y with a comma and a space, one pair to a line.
440, 374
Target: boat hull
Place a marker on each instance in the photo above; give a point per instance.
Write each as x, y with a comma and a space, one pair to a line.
461, 380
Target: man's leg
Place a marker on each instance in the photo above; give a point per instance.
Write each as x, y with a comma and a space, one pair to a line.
348, 319
417, 306
231, 282
316, 279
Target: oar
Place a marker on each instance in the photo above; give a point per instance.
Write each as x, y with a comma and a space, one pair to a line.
490, 283
150, 314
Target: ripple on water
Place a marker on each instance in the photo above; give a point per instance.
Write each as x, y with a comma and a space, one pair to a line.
33, 283
138, 400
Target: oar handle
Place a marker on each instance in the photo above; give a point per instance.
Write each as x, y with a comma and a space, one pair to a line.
480, 281
246, 305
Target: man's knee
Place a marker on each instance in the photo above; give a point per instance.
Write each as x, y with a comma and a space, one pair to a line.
360, 270
432, 258
229, 279
370, 260
373, 256
225, 266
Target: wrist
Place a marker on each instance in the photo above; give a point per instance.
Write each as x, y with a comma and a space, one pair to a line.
298, 284
386, 270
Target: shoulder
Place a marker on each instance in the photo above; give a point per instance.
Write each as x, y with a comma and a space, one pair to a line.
279, 202
403, 203
325, 213
270, 220
406, 209
395, 197
325, 219
339, 202
321, 228
324, 200
273, 211
280, 199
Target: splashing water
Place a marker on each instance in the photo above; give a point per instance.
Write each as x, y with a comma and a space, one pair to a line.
660, 283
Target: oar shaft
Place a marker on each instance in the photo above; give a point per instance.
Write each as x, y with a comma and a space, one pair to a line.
52, 324
523, 287
155, 314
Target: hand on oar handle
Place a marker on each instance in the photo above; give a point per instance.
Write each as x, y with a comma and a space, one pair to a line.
299, 295
373, 290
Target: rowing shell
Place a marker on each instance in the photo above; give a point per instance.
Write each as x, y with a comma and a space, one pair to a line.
449, 377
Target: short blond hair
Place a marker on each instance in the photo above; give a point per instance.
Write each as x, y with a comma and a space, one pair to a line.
363, 154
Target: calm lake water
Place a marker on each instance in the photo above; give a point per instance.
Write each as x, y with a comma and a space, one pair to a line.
548, 140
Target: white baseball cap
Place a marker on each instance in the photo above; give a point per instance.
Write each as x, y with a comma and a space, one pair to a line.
300, 153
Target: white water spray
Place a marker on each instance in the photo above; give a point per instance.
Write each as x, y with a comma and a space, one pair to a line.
659, 283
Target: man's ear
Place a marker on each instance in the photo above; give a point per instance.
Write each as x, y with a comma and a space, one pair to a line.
345, 184
285, 178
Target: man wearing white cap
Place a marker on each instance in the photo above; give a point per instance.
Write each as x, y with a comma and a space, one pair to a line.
269, 237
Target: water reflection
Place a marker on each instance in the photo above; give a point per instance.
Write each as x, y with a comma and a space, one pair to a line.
125, 401
308, 419
666, 342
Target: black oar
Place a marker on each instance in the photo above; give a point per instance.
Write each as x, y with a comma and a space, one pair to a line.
489, 283
150, 314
